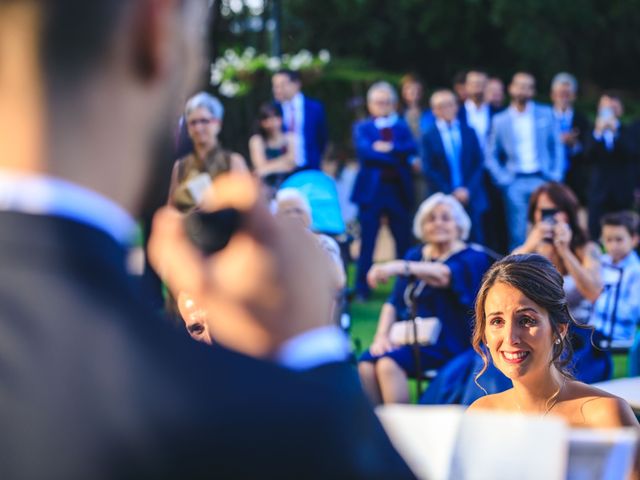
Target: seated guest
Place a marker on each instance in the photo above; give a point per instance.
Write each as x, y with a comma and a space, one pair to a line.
616, 312
293, 204
453, 160
272, 151
383, 188
446, 273
192, 174
613, 152
522, 326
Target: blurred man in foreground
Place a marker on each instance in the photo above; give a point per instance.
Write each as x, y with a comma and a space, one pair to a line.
94, 385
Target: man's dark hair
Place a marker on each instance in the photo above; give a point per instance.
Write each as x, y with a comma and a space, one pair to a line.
292, 74
612, 94
459, 77
627, 219
76, 34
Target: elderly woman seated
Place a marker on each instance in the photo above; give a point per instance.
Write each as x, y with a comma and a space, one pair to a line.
289, 202
446, 274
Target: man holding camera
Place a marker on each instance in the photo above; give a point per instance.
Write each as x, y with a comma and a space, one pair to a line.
612, 150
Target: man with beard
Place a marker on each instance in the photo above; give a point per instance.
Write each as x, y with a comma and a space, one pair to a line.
523, 152
94, 385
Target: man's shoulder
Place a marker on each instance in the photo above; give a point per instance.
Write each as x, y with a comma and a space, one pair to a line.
312, 103
501, 117
543, 110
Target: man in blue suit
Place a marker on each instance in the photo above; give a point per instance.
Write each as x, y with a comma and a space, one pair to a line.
383, 144
453, 161
303, 116
523, 152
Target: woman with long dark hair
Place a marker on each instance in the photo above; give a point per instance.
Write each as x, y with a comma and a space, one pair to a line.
522, 325
272, 150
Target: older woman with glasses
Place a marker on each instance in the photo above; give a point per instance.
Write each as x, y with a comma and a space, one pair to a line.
192, 173
443, 275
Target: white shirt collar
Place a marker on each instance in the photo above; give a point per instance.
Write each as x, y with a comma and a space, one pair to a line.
314, 348
568, 113
528, 110
47, 195
444, 125
296, 101
386, 122
470, 105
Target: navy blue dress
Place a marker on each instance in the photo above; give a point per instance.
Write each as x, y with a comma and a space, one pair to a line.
453, 305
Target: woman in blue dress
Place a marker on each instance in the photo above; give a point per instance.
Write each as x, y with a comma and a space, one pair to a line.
446, 273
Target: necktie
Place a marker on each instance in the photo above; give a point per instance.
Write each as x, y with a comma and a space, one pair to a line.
456, 179
292, 118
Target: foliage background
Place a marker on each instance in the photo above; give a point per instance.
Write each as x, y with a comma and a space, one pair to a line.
597, 40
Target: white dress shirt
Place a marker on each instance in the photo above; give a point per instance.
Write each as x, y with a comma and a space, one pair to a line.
293, 115
452, 142
525, 139
478, 119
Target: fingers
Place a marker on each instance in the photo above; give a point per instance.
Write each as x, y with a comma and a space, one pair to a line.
173, 256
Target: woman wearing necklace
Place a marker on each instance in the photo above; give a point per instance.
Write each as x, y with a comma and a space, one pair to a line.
446, 274
523, 325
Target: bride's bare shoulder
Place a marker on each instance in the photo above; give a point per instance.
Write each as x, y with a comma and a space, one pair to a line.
599, 409
496, 401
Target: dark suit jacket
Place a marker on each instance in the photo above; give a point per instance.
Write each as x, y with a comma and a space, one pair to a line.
462, 116
93, 385
316, 134
372, 163
615, 172
578, 173
438, 173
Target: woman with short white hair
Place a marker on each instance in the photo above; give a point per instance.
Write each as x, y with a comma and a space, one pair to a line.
444, 274
192, 174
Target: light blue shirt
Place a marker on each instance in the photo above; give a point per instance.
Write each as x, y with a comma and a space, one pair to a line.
47, 195
452, 141
627, 311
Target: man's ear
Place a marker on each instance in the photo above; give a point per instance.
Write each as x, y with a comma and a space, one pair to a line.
634, 240
153, 29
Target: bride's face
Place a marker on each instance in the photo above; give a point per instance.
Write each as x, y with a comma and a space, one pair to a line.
518, 332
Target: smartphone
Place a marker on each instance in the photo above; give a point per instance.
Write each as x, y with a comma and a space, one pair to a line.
605, 114
549, 215
211, 231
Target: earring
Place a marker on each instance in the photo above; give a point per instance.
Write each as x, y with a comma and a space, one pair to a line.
558, 341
